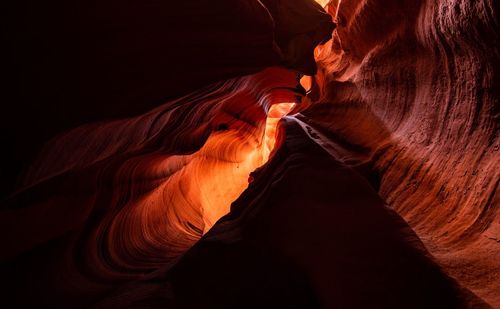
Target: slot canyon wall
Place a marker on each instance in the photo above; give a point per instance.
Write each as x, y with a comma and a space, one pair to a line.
414, 87
153, 176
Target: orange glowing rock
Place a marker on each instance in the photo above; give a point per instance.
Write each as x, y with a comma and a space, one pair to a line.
167, 175
323, 2
213, 177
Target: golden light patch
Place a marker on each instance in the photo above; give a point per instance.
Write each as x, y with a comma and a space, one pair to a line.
323, 2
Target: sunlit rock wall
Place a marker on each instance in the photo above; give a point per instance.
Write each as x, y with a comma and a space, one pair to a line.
132, 129
413, 87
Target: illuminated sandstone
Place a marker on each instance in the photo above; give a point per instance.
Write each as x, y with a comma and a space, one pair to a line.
411, 85
165, 200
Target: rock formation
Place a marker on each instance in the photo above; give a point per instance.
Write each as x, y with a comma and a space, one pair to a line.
413, 86
173, 178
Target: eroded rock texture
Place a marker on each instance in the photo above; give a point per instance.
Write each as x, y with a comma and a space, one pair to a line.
133, 195
106, 203
75, 62
413, 85
207, 200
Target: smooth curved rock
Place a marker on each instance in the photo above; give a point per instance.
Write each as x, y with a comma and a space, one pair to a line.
413, 86
120, 212
127, 197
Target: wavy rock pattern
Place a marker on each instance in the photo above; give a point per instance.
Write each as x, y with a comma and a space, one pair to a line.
120, 213
108, 202
145, 193
413, 87
75, 62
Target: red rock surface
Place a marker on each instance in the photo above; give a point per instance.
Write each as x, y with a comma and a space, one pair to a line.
119, 212
108, 201
414, 87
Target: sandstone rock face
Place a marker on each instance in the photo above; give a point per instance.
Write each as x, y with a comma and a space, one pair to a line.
151, 117
413, 87
209, 194
132, 195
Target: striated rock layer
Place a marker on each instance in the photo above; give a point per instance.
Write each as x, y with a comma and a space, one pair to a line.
108, 203
412, 88
177, 203
128, 197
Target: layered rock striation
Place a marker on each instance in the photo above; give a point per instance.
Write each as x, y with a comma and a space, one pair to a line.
210, 194
412, 88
